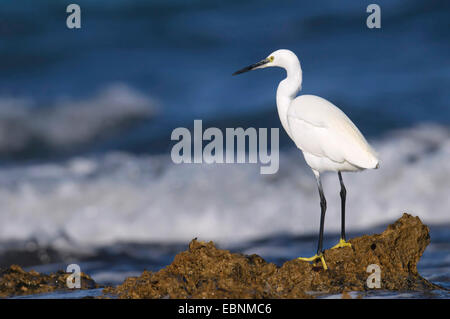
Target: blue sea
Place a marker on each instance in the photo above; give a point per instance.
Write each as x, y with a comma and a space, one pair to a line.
86, 117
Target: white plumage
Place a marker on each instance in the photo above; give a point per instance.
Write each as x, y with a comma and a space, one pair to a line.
327, 137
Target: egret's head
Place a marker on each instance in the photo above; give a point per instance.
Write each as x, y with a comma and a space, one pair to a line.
280, 58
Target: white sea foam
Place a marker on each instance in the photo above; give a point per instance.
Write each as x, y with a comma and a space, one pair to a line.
69, 122
122, 197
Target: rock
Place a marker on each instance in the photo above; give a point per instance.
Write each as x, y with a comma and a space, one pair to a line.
203, 271
15, 281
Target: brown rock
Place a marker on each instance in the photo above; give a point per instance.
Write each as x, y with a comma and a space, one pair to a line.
15, 281
203, 271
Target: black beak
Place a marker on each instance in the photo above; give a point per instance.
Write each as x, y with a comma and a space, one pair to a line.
251, 67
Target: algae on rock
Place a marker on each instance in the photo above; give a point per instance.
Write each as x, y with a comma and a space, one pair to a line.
203, 271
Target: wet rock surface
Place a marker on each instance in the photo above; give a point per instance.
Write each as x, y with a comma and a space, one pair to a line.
14, 281
203, 271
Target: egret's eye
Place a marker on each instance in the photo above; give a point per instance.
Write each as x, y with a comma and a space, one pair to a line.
271, 58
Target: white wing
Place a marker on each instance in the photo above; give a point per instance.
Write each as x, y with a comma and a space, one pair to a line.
320, 128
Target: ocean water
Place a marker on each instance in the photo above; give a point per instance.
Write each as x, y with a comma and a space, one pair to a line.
86, 117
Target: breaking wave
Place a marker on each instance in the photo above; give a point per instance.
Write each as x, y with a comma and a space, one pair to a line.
69, 123
90, 201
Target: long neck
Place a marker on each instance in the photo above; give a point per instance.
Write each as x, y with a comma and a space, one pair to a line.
287, 91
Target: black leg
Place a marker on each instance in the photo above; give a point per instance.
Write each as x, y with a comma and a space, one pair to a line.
343, 196
323, 208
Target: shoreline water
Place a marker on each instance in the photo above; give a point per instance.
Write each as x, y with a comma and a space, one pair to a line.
432, 266
146, 198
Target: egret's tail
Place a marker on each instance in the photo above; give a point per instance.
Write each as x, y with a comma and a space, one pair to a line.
375, 163
371, 162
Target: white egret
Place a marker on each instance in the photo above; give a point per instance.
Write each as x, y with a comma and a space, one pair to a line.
327, 137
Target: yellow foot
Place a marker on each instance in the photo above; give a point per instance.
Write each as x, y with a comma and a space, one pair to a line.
315, 257
342, 243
